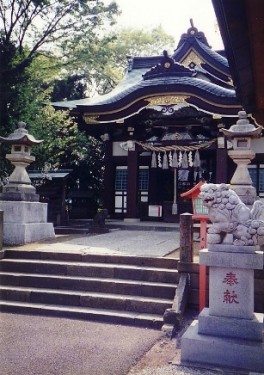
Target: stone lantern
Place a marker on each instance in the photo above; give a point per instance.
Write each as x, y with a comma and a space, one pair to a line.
19, 186
25, 218
240, 135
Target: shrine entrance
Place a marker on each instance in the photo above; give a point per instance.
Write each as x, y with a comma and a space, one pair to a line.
161, 128
167, 184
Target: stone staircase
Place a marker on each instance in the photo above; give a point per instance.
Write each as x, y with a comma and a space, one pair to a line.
107, 288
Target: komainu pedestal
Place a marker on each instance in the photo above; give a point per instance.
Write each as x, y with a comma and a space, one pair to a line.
228, 332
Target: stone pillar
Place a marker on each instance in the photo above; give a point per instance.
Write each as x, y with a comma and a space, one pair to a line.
228, 333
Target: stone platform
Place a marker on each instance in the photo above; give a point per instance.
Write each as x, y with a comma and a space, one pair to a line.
222, 351
228, 333
25, 222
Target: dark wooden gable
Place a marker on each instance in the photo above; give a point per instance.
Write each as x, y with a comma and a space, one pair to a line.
241, 24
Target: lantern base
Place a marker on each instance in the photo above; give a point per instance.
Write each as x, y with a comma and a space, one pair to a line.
25, 222
19, 196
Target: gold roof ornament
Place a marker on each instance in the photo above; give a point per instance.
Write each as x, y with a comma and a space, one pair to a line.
90, 119
167, 100
192, 58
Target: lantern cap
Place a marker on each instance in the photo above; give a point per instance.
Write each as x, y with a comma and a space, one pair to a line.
20, 136
242, 128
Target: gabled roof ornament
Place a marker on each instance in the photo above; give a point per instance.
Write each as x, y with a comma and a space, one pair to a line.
193, 32
167, 67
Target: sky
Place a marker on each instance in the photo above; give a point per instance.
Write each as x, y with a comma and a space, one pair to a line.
173, 15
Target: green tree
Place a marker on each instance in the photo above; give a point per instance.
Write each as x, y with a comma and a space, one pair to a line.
102, 62
33, 27
33, 36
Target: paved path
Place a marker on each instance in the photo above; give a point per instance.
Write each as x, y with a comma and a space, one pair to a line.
34, 345
126, 242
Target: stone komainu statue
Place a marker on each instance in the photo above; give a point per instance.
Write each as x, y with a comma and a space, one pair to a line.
229, 214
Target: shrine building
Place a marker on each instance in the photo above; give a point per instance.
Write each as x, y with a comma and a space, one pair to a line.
161, 128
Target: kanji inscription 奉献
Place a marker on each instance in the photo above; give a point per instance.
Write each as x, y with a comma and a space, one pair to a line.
230, 297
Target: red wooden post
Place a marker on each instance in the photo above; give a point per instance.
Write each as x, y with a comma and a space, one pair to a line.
199, 214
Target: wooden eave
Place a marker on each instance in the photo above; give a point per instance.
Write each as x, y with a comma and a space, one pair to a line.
134, 103
241, 24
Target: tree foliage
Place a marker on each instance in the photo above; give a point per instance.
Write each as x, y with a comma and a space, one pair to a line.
38, 23
57, 50
66, 147
103, 62
35, 38
33, 27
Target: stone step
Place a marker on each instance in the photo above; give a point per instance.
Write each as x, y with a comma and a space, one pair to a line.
102, 315
100, 285
86, 299
104, 270
161, 262
109, 288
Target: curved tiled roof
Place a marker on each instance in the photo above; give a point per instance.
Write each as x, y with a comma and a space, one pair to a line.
133, 98
162, 75
170, 84
145, 62
133, 91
